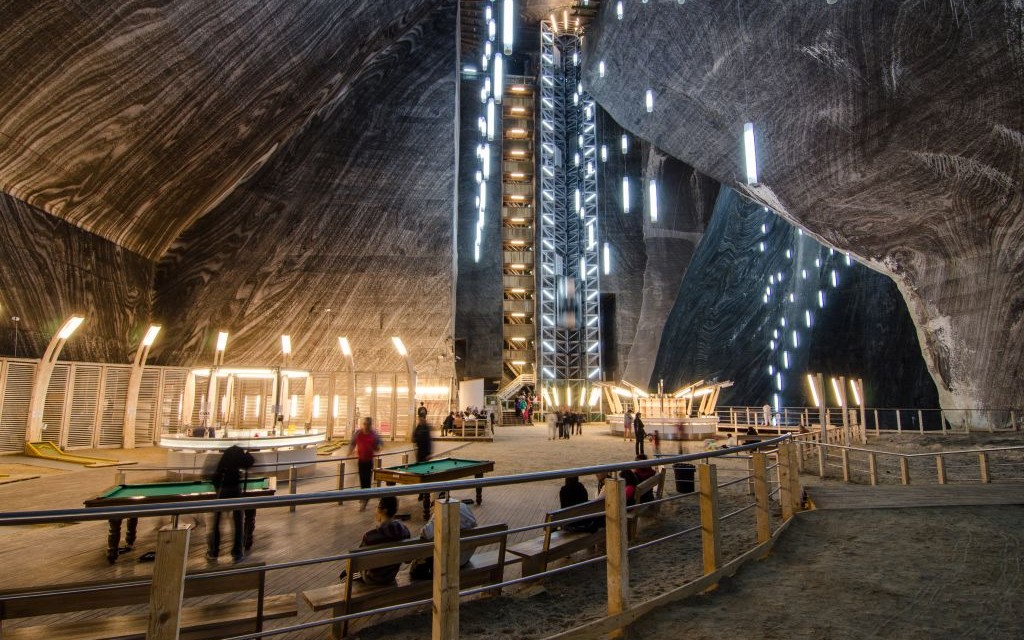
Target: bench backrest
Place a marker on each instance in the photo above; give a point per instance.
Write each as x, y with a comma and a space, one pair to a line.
590, 507
655, 481
391, 553
29, 603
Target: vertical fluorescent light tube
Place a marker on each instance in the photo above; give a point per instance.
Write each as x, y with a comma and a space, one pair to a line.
399, 346
492, 30
748, 148
604, 153
652, 197
835, 389
649, 100
814, 390
487, 162
625, 143
222, 340
499, 77
490, 119
607, 259
600, 69
508, 26
856, 394
618, 10
286, 345
625, 195
346, 348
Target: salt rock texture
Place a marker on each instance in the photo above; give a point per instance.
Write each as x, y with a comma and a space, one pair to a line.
266, 163
889, 129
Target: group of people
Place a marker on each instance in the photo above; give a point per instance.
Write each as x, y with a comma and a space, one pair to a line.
455, 422
573, 492
524, 407
563, 424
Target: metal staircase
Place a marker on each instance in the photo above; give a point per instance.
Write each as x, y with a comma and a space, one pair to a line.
511, 388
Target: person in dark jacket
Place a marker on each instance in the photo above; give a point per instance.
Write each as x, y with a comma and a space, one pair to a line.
424, 449
572, 493
227, 478
641, 434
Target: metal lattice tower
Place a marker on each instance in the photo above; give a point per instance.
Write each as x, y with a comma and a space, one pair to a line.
569, 277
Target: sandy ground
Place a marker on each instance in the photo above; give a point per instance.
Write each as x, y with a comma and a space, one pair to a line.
897, 573
892, 573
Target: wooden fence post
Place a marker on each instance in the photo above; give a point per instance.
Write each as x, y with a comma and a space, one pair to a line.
445, 625
920, 421
821, 460
710, 533
873, 469
786, 472
168, 586
750, 475
877, 426
405, 458
617, 545
380, 465
983, 467
904, 470
940, 469
845, 453
763, 517
795, 490
341, 478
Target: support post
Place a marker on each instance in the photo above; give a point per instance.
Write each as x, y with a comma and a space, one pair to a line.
131, 403
785, 499
920, 421
819, 380
795, 490
168, 585
873, 469
292, 485
41, 381
445, 624
617, 545
877, 426
904, 470
763, 517
845, 453
710, 533
983, 467
821, 459
940, 469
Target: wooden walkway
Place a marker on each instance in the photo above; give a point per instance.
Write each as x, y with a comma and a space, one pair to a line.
849, 496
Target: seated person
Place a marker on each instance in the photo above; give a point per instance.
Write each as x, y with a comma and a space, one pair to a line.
199, 432
424, 569
751, 430
572, 493
642, 474
631, 482
387, 530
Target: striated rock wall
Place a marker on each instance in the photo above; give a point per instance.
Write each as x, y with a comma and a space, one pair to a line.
346, 230
888, 128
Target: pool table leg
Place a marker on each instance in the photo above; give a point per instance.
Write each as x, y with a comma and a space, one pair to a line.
249, 528
479, 490
113, 539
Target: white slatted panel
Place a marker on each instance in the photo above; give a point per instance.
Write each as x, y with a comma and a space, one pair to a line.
84, 396
115, 395
322, 393
17, 377
54, 423
296, 401
172, 398
202, 386
249, 401
146, 412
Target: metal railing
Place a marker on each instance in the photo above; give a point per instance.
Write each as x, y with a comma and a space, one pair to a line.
759, 484
878, 419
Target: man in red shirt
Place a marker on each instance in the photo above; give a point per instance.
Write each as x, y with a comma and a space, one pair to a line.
366, 443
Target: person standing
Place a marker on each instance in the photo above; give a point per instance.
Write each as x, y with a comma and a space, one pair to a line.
366, 443
421, 413
552, 421
227, 478
627, 425
640, 433
424, 449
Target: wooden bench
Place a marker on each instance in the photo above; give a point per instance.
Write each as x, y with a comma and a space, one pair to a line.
352, 596
200, 620
654, 484
556, 543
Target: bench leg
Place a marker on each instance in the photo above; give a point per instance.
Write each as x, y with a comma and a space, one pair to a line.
533, 565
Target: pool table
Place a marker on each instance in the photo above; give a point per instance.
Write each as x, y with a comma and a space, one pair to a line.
137, 494
435, 471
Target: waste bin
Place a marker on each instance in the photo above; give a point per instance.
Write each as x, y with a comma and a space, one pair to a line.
684, 473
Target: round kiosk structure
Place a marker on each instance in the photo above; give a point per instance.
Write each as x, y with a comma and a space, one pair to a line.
274, 454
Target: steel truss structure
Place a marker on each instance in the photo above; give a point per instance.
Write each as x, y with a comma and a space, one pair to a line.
569, 277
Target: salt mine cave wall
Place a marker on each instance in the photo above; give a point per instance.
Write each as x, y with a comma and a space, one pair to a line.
891, 129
